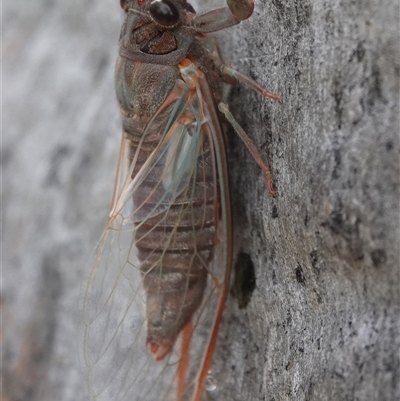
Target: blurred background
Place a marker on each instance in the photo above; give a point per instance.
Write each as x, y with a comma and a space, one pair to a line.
60, 142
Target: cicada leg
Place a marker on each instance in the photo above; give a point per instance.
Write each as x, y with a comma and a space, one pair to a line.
230, 72
221, 18
186, 336
223, 108
241, 9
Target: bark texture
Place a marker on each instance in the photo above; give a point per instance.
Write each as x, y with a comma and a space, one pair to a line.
323, 320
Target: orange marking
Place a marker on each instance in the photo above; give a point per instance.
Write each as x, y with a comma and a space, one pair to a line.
185, 63
159, 351
184, 362
206, 366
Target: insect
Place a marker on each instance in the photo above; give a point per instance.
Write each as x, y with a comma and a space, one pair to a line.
160, 274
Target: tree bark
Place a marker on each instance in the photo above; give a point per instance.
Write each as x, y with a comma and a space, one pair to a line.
323, 320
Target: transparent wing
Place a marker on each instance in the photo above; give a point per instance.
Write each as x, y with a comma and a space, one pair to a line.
177, 196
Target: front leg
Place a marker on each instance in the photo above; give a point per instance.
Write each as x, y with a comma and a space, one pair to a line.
221, 18
230, 73
241, 9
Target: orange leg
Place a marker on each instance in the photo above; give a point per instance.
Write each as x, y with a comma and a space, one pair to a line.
184, 362
206, 365
230, 72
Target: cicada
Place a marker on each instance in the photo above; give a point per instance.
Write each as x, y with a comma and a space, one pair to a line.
160, 274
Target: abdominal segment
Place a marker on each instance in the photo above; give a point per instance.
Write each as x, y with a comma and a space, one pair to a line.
175, 247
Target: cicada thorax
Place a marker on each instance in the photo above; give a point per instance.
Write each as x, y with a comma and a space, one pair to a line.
174, 234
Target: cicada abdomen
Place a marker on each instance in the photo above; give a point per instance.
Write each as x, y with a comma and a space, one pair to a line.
160, 274
174, 210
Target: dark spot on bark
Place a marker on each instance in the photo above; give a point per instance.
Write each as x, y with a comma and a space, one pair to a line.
314, 258
353, 177
358, 53
244, 281
300, 275
338, 164
289, 318
275, 213
337, 96
318, 296
306, 220
389, 145
378, 257
375, 89
274, 277
301, 350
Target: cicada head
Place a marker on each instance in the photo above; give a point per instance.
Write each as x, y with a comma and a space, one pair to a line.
167, 14
150, 25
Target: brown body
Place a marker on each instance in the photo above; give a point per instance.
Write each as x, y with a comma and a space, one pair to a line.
175, 246
168, 242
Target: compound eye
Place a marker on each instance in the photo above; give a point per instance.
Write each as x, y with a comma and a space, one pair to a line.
164, 12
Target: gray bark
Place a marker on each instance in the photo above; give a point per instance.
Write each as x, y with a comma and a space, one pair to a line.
323, 320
